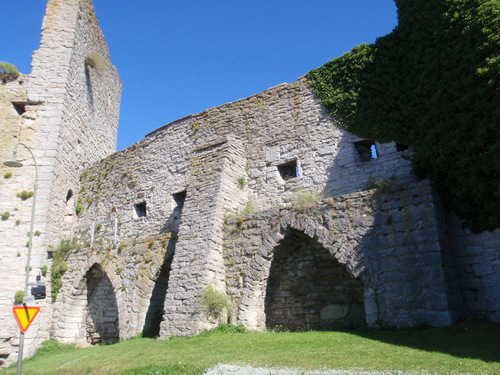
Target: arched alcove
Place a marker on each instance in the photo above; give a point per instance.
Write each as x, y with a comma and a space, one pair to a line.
308, 288
102, 318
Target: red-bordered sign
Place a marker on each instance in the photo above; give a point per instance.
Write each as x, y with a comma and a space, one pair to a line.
24, 316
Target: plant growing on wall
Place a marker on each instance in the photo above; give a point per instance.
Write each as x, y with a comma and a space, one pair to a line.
9, 72
95, 61
5, 215
59, 265
214, 302
24, 195
304, 196
19, 297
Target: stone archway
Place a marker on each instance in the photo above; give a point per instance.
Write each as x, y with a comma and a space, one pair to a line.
102, 317
308, 288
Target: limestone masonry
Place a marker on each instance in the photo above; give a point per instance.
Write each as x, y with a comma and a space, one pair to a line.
264, 202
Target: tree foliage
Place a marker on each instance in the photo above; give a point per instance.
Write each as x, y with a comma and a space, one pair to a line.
434, 84
9, 69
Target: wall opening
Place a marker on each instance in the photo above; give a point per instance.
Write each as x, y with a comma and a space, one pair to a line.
140, 209
366, 150
308, 288
20, 107
102, 318
179, 199
288, 170
156, 310
69, 194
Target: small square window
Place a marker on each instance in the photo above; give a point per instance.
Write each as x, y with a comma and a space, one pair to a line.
366, 150
140, 209
288, 170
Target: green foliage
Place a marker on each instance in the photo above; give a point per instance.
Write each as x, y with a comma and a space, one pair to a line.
381, 183
95, 61
51, 347
7, 175
19, 297
44, 269
24, 195
433, 83
304, 196
5, 215
214, 302
59, 265
9, 69
37, 233
242, 182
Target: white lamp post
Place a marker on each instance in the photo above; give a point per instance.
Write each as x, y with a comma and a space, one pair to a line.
16, 164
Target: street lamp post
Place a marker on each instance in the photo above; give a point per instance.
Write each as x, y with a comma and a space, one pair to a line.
16, 164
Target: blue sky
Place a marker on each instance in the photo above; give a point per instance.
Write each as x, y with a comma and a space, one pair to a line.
179, 57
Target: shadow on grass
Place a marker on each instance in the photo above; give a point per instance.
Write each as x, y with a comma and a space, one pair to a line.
471, 339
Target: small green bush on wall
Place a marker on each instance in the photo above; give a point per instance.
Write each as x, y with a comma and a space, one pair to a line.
214, 302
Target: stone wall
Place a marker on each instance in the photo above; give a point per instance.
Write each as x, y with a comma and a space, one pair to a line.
477, 267
387, 242
67, 114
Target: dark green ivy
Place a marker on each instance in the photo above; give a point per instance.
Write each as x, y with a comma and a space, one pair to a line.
433, 84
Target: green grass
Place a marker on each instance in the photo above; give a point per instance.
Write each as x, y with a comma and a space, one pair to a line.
467, 348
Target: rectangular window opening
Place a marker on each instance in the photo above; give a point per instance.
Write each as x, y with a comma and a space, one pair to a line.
140, 209
288, 170
366, 150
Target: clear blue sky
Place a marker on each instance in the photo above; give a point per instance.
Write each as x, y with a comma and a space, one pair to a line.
179, 57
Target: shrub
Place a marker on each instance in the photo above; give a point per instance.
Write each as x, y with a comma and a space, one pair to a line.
304, 196
214, 302
59, 265
19, 297
95, 61
44, 269
380, 183
24, 195
9, 69
242, 182
7, 175
5, 215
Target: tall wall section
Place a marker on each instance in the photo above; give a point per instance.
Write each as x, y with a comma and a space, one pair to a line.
68, 116
186, 177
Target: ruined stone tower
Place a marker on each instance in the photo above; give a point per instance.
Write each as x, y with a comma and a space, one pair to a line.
66, 111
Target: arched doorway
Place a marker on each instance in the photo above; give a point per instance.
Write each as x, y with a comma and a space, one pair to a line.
102, 318
308, 288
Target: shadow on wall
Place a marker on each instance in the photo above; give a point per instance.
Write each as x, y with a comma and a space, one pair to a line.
156, 310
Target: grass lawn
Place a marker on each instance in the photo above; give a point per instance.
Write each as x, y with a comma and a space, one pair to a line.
472, 348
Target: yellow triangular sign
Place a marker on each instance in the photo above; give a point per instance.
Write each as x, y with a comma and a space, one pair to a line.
24, 316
